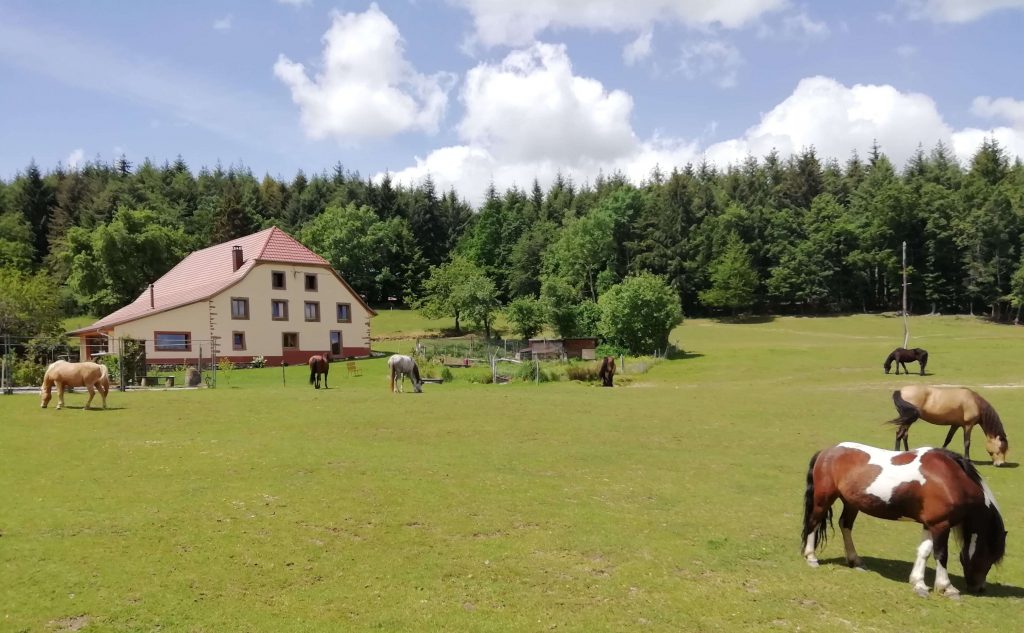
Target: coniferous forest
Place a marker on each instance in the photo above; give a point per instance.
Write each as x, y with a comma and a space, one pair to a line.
803, 234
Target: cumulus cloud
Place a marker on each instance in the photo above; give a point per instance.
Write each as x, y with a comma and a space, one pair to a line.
223, 24
75, 158
530, 116
499, 22
717, 59
365, 87
639, 49
295, 3
958, 11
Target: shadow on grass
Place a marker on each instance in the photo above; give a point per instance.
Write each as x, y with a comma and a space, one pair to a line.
899, 570
746, 319
82, 408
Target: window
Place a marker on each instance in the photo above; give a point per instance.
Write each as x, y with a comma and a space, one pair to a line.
290, 340
344, 313
239, 308
172, 341
277, 279
310, 282
279, 310
335, 343
238, 341
312, 310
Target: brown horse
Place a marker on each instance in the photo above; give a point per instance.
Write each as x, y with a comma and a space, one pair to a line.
607, 373
319, 365
92, 376
903, 356
951, 406
932, 486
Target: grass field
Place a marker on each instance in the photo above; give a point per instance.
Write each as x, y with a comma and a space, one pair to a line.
671, 504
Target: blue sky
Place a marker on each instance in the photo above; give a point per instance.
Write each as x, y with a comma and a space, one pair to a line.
474, 91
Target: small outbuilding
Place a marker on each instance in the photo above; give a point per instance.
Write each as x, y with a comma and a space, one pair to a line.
584, 348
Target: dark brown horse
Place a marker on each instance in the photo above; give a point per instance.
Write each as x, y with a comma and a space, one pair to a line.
319, 364
607, 372
950, 406
932, 486
903, 356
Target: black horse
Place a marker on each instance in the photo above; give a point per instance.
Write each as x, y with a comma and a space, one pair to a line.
319, 365
607, 373
903, 356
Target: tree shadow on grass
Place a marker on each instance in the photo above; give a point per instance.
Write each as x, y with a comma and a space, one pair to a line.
746, 319
899, 570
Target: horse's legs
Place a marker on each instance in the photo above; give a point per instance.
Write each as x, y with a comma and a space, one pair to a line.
846, 520
103, 389
92, 394
819, 513
949, 436
924, 550
942, 584
902, 433
967, 441
60, 395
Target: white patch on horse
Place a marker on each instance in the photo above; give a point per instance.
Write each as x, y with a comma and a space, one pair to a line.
974, 544
891, 475
990, 499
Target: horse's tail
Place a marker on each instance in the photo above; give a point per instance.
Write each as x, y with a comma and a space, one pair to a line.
820, 530
391, 377
922, 358
908, 412
104, 381
985, 521
312, 371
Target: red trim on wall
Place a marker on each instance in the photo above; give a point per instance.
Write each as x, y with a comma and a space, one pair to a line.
292, 357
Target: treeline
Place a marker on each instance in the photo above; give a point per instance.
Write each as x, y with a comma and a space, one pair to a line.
798, 234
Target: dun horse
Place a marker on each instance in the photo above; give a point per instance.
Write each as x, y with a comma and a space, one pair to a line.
92, 376
400, 367
319, 364
951, 406
903, 356
607, 372
934, 487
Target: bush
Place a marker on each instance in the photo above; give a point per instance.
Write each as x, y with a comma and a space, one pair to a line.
113, 365
586, 372
639, 313
258, 362
27, 373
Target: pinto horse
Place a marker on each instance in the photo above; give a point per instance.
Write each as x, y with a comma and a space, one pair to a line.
92, 376
954, 407
903, 356
932, 486
319, 364
607, 372
400, 367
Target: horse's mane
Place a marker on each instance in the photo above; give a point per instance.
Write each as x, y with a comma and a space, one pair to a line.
985, 521
989, 419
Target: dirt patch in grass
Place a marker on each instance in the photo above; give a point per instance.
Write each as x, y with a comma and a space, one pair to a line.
74, 623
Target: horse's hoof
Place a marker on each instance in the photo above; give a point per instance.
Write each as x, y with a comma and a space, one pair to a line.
812, 563
951, 593
921, 591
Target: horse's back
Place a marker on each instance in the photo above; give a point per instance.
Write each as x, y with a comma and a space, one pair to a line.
942, 405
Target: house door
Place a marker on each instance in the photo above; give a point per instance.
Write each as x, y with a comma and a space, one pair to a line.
335, 343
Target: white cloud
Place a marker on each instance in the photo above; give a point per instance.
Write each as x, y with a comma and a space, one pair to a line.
75, 158
639, 49
366, 87
500, 22
716, 59
801, 25
223, 24
530, 117
1005, 108
295, 3
958, 11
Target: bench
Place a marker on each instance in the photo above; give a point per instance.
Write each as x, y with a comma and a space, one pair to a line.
353, 369
153, 381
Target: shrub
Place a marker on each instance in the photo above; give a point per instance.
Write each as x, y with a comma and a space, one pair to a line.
27, 373
639, 313
258, 362
586, 372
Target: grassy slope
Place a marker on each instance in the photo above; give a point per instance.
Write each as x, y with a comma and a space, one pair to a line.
668, 505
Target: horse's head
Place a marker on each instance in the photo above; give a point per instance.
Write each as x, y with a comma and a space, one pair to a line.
997, 446
44, 390
984, 545
888, 362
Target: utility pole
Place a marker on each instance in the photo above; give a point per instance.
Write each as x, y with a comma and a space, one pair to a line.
906, 326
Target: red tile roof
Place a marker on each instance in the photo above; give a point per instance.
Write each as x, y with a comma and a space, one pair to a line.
207, 272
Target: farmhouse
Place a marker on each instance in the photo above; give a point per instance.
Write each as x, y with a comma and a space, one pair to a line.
264, 294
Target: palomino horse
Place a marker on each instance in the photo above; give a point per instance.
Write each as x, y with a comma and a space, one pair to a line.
402, 366
319, 364
92, 376
607, 373
903, 356
951, 406
932, 486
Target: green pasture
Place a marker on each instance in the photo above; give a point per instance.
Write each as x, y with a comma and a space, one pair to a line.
670, 504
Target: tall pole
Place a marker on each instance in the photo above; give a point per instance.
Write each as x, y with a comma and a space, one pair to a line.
906, 326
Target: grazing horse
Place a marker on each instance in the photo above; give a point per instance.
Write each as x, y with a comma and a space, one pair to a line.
402, 366
932, 486
607, 373
950, 406
92, 376
319, 364
903, 356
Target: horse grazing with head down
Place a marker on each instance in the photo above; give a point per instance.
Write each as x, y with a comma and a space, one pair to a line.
932, 486
401, 366
950, 406
903, 356
92, 376
607, 372
319, 365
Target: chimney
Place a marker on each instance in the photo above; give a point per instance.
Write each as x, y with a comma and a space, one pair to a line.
152, 296
236, 257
